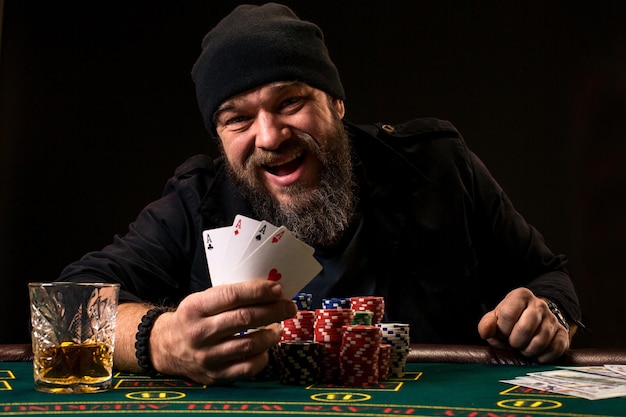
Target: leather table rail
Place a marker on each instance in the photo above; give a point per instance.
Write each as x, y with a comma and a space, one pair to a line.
434, 353
489, 355
16, 353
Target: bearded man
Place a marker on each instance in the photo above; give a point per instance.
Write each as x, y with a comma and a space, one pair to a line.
403, 211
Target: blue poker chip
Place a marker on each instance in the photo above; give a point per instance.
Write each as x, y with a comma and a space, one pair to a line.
335, 303
303, 301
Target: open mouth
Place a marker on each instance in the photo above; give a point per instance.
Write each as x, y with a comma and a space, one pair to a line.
282, 168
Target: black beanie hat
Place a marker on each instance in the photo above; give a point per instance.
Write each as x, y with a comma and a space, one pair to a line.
255, 45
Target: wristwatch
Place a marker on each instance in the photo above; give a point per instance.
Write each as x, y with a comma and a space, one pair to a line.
557, 312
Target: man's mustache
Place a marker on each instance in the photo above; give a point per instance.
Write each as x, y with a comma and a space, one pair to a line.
303, 142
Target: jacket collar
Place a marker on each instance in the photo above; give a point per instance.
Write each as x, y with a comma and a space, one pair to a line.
381, 169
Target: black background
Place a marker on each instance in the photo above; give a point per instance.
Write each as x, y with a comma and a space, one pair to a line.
97, 109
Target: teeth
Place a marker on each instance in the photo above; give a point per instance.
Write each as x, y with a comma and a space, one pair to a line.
275, 164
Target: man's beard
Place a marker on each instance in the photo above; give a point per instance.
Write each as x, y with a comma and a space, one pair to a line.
319, 215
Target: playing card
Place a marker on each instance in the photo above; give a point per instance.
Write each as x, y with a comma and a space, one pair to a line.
280, 258
598, 370
590, 382
215, 241
241, 232
262, 232
596, 386
619, 369
545, 386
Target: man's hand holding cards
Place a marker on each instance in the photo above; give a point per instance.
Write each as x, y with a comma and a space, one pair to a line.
252, 249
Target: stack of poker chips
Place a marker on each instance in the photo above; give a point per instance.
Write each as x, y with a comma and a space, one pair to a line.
343, 342
299, 328
360, 355
296, 355
328, 332
397, 336
384, 361
369, 303
299, 362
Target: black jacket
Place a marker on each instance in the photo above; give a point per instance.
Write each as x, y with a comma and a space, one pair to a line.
435, 235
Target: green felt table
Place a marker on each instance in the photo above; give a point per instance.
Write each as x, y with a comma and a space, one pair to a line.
428, 389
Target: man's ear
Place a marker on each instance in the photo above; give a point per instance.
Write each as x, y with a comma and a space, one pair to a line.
339, 107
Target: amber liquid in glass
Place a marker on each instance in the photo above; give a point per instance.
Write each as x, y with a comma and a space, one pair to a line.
71, 363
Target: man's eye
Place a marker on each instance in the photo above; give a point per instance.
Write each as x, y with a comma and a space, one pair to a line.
234, 120
292, 101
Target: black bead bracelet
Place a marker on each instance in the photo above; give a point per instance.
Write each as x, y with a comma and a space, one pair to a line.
142, 339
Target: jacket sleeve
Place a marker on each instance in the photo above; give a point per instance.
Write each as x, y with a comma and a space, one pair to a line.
515, 248
152, 261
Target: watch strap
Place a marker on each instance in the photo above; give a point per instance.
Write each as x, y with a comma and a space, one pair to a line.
557, 313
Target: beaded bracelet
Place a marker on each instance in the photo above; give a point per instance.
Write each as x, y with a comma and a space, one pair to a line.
142, 339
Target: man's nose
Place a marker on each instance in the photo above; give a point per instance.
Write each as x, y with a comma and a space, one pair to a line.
271, 131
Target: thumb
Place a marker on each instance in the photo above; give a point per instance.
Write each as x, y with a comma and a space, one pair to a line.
488, 330
488, 325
